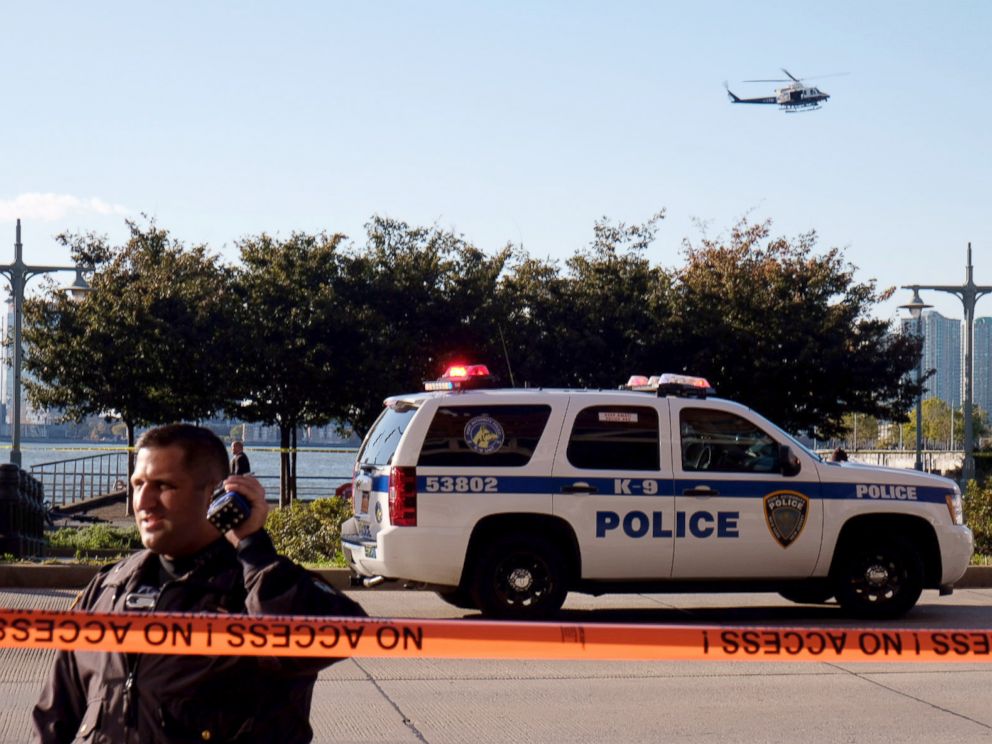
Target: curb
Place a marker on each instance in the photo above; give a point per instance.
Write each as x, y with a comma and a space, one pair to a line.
73, 576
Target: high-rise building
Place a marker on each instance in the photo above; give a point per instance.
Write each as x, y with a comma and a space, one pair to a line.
982, 364
942, 352
29, 414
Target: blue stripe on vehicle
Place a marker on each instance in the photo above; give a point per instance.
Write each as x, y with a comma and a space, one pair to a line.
624, 486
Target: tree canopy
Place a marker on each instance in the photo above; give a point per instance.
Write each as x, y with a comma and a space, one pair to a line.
420, 299
294, 334
312, 328
148, 340
148, 343
788, 331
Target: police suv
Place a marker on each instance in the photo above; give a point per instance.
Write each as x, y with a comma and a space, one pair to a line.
504, 500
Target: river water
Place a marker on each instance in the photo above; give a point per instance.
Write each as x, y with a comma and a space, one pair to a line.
319, 470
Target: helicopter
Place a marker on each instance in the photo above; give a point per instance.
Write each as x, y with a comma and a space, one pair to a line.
796, 96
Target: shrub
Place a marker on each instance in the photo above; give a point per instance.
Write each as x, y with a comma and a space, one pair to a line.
97, 537
978, 515
309, 531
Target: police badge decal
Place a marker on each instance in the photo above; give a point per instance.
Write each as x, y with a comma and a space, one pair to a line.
785, 513
483, 434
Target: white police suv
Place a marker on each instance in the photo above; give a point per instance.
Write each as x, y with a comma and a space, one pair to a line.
504, 500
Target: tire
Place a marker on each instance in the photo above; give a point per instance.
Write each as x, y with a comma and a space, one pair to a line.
458, 597
880, 581
812, 593
520, 577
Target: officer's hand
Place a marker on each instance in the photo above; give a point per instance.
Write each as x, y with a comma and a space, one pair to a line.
254, 494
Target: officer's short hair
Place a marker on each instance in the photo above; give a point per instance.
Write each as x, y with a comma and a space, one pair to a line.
205, 453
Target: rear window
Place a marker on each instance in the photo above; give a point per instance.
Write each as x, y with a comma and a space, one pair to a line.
615, 438
381, 443
483, 436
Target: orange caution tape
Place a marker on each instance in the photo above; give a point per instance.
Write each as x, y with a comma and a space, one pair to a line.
226, 635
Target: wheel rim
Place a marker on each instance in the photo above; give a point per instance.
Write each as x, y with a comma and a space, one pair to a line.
522, 580
878, 579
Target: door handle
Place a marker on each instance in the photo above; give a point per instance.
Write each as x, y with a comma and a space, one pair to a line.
579, 487
700, 491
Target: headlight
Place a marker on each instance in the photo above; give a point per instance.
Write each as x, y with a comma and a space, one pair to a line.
954, 506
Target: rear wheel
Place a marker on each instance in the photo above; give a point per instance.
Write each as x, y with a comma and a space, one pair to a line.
880, 581
520, 577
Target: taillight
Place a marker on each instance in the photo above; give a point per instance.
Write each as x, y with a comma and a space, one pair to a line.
403, 497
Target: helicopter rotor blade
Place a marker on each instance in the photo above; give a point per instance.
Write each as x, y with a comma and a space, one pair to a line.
772, 80
791, 76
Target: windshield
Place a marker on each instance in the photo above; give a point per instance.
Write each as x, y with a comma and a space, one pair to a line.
382, 441
796, 443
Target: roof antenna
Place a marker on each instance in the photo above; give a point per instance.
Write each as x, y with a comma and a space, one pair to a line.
505, 354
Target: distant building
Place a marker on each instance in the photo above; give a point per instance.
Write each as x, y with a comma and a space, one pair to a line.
942, 353
982, 364
29, 414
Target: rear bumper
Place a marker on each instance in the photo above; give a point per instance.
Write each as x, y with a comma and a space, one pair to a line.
420, 554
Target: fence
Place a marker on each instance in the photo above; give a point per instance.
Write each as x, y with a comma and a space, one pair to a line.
66, 482
308, 487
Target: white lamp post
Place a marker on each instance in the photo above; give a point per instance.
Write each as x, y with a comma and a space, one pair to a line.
18, 274
916, 307
968, 293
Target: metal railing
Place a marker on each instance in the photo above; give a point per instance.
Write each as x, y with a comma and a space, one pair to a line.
67, 482
308, 487
71, 481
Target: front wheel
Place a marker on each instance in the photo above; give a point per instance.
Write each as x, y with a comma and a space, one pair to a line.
520, 577
880, 581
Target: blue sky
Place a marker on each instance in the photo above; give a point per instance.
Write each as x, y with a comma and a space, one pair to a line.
507, 121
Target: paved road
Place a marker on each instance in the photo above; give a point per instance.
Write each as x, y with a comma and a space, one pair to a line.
443, 701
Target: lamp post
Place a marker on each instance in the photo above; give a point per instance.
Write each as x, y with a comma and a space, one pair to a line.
18, 274
916, 307
968, 293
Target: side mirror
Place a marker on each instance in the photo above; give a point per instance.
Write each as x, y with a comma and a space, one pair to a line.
788, 463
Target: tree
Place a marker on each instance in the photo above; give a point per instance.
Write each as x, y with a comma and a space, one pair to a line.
937, 418
860, 431
423, 298
597, 323
787, 331
296, 338
149, 342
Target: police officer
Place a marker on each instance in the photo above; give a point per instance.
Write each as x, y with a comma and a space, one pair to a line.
239, 460
188, 566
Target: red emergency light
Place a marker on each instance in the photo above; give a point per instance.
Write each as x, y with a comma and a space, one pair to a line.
460, 376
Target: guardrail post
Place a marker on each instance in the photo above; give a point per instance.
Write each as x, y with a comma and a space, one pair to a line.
22, 513
37, 544
11, 521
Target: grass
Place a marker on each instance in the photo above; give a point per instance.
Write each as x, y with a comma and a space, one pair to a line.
96, 537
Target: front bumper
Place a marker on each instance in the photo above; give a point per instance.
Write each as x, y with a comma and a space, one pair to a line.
956, 547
